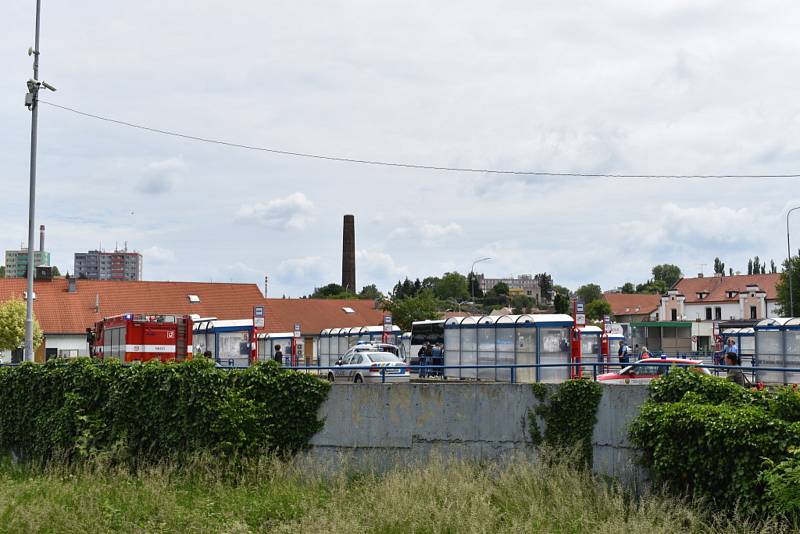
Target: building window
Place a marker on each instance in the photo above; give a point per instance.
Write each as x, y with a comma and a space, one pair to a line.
708, 313
674, 315
718, 313
753, 312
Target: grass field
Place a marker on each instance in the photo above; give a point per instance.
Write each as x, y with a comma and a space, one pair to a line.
274, 496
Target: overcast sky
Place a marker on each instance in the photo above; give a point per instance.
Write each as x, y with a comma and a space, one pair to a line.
671, 87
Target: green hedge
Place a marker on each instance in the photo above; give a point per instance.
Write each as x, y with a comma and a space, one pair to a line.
713, 438
78, 407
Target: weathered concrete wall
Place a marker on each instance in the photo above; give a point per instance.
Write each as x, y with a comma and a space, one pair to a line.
385, 424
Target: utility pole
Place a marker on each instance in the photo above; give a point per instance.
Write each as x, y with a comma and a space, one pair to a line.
32, 103
789, 264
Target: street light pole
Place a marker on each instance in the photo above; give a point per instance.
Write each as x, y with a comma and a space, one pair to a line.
472, 278
32, 102
789, 263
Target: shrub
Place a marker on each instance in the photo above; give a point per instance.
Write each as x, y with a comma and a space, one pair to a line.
782, 482
710, 437
79, 407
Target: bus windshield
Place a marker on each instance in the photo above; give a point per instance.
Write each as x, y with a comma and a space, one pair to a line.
423, 332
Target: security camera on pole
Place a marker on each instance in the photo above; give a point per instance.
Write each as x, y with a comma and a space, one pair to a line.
32, 103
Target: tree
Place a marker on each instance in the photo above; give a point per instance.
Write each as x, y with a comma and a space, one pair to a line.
2, 271
561, 303
423, 306
667, 273
652, 287
749, 266
589, 293
719, 267
55, 271
370, 292
730, 271
12, 326
563, 291
501, 288
783, 287
451, 286
521, 304
628, 287
474, 286
405, 289
772, 267
332, 291
597, 309
546, 286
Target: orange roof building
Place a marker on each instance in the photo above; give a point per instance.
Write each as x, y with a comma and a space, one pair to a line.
633, 307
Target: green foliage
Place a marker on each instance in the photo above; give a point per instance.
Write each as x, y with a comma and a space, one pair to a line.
652, 287
501, 288
418, 308
332, 291
782, 485
589, 293
451, 286
12, 325
521, 304
719, 266
546, 287
710, 437
783, 287
597, 309
561, 303
81, 407
628, 288
569, 416
2, 271
370, 292
55, 271
667, 273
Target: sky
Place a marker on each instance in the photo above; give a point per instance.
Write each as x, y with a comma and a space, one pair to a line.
626, 87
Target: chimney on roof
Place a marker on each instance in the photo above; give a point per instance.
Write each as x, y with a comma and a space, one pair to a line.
97, 303
266, 285
699, 275
349, 254
41, 238
72, 284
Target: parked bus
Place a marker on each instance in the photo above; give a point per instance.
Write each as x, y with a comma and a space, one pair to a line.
422, 333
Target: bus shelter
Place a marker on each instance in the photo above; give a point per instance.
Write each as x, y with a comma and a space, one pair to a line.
227, 341
334, 342
777, 344
670, 337
268, 342
508, 339
590, 346
745, 339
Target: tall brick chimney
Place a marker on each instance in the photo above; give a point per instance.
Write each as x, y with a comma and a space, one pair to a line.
349, 254
41, 238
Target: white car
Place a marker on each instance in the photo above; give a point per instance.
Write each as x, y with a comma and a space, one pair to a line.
644, 374
377, 367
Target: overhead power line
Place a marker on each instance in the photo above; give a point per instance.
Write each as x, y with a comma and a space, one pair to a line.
402, 164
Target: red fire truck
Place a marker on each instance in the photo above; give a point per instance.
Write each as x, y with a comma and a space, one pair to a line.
139, 338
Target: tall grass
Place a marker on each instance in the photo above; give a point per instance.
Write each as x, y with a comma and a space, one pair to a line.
269, 495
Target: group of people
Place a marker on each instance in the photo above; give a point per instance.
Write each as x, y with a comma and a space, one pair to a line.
431, 354
624, 352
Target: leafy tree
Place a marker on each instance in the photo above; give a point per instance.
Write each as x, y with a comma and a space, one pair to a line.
563, 291
628, 287
405, 289
730, 271
451, 286
561, 303
772, 267
750, 266
719, 267
332, 291
370, 292
474, 286
421, 307
501, 288
545, 286
2, 271
493, 300
667, 273
12, 326
597, 309
589, 293
521, 304
783, 287
55, 271
652, 287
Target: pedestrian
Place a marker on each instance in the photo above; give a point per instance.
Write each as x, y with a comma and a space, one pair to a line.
645, 353
278, 356
735, 375
636, 351
732, 349
624, 353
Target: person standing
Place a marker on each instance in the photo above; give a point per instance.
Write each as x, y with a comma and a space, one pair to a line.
735, 375
732, 349
278, 356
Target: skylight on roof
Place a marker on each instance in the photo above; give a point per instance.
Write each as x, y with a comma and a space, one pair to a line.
348, 309
194, 299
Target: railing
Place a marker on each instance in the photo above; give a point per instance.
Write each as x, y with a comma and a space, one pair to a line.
576, 368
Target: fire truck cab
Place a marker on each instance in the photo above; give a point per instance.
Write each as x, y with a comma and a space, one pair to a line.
139, 338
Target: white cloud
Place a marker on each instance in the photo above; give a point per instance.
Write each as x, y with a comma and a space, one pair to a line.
158, 256
295, 270
427, 232
161, 176
291, 212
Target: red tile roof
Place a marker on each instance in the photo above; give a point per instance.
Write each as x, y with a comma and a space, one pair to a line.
627, 303
61, 312
717, 287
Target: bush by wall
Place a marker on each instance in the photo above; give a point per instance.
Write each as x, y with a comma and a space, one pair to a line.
569, 416
711, 437
79, 407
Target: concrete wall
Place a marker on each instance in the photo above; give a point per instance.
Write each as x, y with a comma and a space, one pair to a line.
386, 424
